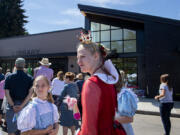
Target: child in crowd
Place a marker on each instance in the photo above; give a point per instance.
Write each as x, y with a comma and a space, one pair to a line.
67, 119
127, 106
40, 116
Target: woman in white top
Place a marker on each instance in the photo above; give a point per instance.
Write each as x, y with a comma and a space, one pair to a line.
57, 85
166, 102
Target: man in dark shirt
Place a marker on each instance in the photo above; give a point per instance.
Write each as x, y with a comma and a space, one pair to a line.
1, 74
18, 92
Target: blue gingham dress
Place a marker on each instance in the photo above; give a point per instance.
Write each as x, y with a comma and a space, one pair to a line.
127, 106
38, 114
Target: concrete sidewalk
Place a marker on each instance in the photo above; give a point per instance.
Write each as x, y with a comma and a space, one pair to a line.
151, 107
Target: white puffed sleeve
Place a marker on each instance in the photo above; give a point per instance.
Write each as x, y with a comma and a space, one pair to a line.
27, 118
127, 102
56, 114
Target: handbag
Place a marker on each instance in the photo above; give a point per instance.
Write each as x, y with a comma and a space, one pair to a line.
118, 129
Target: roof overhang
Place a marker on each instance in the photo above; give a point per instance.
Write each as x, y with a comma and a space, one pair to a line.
90, 11
105, 14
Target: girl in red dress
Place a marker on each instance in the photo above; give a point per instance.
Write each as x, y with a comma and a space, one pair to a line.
99, 96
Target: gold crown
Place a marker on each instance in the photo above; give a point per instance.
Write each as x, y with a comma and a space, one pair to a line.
85, 38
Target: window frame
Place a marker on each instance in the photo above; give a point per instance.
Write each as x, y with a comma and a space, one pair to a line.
110, 41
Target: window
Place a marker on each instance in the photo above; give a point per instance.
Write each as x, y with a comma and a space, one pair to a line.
117, 45
95, 26
116, 34
95, 36
130, 46
129, 34
114, 27
121, 39
129, 66
105, 35
105, 27
106, 44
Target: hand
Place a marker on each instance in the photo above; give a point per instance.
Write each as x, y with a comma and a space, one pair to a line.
48, 129
53, 132
17, 108
156, 97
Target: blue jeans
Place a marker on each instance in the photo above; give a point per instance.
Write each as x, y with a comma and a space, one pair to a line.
11, 126
165, 112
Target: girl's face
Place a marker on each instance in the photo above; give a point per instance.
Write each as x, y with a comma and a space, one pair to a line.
86, 60
41, 89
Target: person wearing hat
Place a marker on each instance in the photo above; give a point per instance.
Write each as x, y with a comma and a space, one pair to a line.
44, 69
18, 92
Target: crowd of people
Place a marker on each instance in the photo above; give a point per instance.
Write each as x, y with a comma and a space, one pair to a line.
36, 105
24, 97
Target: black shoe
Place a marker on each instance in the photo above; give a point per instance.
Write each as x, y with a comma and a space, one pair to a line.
18, 132
1, 123
4, 128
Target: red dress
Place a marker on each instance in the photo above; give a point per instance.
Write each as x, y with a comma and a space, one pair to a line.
99, 105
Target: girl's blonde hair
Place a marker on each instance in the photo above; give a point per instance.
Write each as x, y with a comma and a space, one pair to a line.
49, 96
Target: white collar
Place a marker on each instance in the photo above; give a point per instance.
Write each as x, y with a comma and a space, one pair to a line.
36, 99
109, 79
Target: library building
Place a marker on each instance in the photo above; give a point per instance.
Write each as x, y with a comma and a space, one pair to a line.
147, 46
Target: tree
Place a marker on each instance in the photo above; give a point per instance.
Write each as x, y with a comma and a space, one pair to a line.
12, 18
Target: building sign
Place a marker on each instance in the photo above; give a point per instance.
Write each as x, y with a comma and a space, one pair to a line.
26, 52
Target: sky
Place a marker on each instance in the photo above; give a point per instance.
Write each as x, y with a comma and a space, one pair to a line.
53, 15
